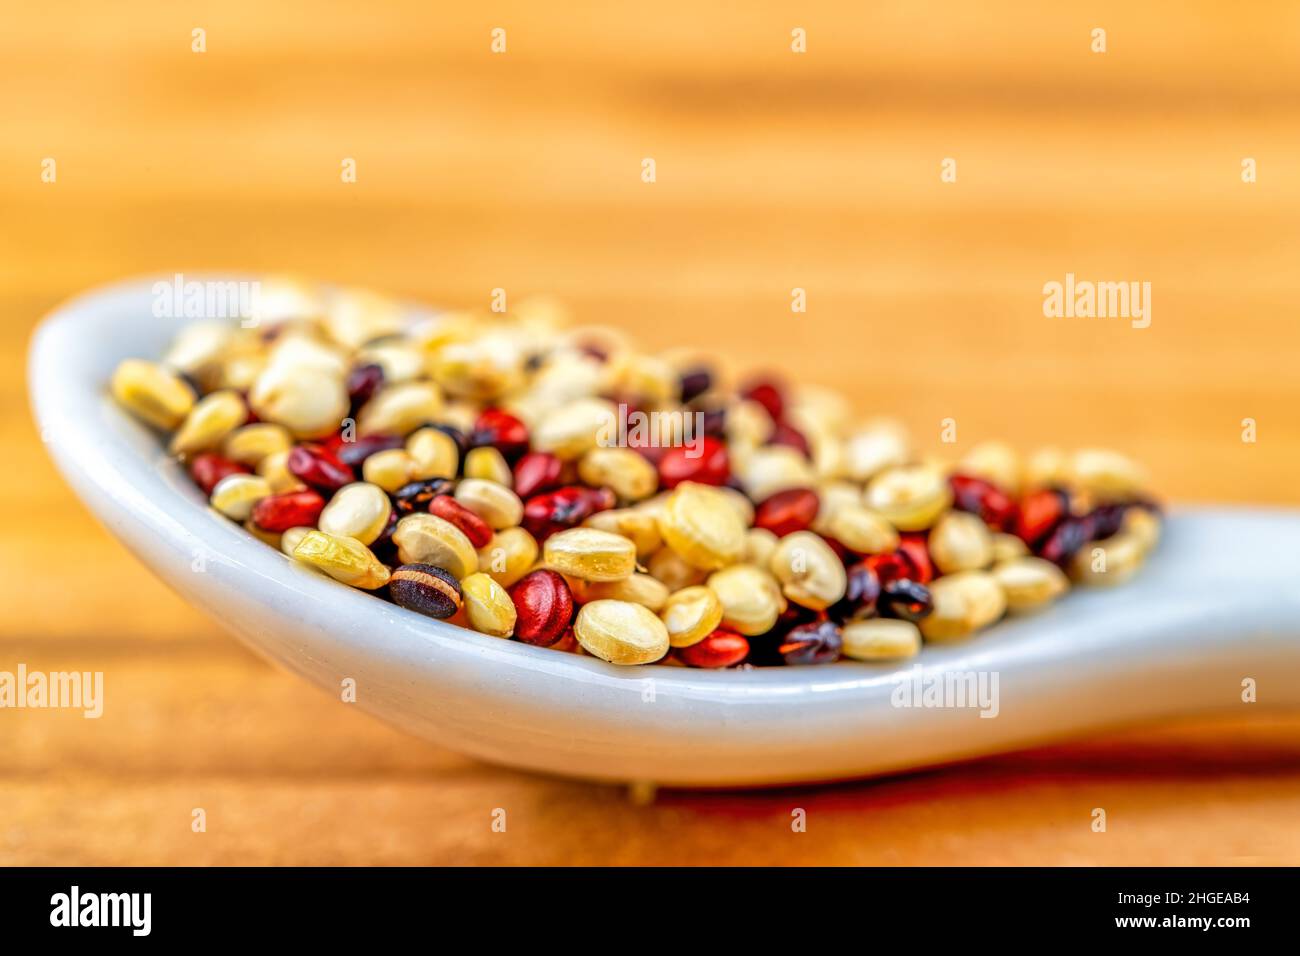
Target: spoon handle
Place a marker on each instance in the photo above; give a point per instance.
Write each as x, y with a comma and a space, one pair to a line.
1239, 570
1213, 617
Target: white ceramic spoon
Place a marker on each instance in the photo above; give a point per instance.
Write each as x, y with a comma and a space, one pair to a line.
1219, 602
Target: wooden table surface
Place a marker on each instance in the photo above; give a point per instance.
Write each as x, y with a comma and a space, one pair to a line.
775, 170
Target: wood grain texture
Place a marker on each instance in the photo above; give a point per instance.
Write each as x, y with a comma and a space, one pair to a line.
774, 171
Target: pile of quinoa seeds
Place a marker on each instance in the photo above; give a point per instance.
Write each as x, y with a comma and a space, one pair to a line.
552, 485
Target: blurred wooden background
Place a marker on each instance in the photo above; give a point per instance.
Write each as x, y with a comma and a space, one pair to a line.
775, 171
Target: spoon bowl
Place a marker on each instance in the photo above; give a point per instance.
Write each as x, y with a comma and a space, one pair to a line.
1218, 604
